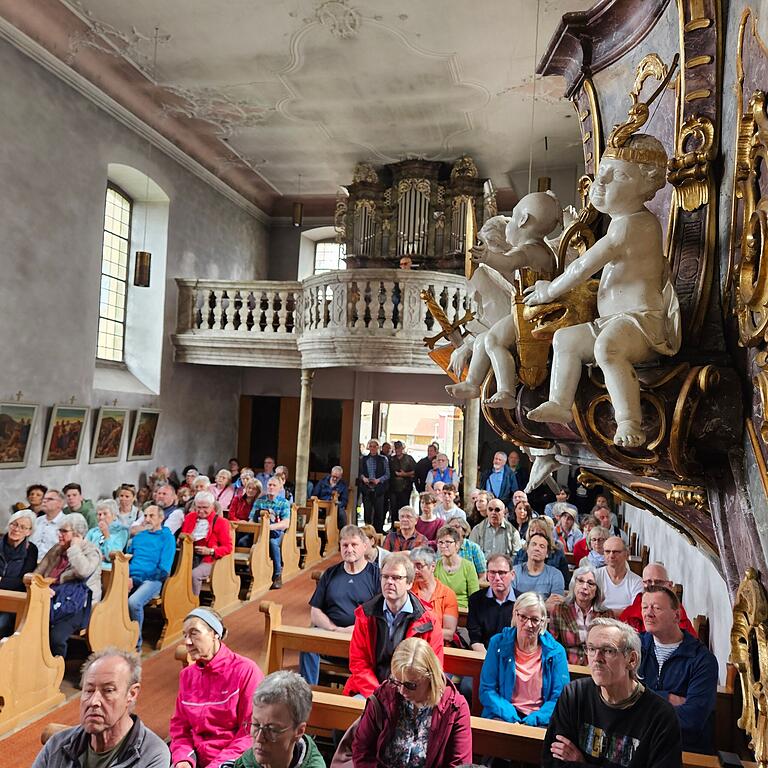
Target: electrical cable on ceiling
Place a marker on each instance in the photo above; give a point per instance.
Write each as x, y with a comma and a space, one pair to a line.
533, 101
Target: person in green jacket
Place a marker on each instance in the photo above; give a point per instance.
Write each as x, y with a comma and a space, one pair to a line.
281, 707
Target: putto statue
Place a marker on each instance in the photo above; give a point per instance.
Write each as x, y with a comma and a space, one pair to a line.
509, 245
638, 312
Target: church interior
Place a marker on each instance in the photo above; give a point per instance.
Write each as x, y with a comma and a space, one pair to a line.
533, 228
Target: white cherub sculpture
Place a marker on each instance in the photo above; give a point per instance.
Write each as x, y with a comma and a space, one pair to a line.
510, 244
639, 316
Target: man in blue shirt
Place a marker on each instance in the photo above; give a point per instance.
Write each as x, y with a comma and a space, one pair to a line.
500, 479
269, 470
279, 520
677, 667
153, 550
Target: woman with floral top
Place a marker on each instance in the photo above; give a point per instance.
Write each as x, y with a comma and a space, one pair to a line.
416, 718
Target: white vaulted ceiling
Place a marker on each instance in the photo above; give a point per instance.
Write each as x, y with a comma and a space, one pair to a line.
274, 88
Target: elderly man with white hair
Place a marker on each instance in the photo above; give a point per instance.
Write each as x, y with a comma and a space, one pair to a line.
46, 533
618, 584
333, 483
611, 718
18, 556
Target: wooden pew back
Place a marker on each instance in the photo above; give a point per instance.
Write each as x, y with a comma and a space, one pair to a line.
328, 522
288, 548
257, 556
177, 598
110, 623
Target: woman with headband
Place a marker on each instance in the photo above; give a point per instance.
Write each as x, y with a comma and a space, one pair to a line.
211, 721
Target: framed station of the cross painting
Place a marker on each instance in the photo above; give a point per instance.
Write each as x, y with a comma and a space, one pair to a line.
108, 436
17, 420
144, 433
65, 436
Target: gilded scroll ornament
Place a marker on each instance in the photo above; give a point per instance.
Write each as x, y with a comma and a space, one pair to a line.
365, 172
689, 170
422, 186
464, 167
749, 654
340, 218
688, 495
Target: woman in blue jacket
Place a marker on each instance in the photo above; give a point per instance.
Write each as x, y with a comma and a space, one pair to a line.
525, 668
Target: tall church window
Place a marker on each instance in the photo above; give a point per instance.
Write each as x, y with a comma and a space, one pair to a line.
329, 256
115, 253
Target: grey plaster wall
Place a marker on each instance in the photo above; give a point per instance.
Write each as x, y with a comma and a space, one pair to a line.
55, 148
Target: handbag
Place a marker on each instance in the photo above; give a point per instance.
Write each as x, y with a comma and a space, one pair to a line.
70, 598
342, 758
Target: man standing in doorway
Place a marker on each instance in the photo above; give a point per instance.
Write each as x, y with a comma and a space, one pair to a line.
402, 470
374, 482
423, 466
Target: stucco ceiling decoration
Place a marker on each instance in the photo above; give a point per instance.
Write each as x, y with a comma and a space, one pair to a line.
257, 92
362, 121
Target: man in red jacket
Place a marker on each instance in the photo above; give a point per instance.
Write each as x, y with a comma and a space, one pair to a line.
383, 622
654, 575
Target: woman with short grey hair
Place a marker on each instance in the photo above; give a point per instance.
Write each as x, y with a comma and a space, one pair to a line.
18, 556
109, 534
281, 707
570, 619
73, 564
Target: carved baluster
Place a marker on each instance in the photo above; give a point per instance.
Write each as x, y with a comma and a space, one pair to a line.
429, 321
282, 311
290, 311
237, 314
369, 312
214, 307
225, 319
199, 306
250, 304
360, 306
390, 293
263, 310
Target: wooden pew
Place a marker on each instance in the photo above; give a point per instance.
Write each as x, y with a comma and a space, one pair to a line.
224, 583
110, 623
29, 675
328, 523
257, 557
490, 738
308, 538
289, 549
280, 638
177, 599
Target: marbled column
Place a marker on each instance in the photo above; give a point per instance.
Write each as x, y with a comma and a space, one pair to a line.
471, 440
304, 435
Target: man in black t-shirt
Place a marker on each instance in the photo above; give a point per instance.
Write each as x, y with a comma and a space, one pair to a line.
611, 719
340, 590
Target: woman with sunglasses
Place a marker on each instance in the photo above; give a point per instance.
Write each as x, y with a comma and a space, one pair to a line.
418, 717
211, 721
570, 619
525, 668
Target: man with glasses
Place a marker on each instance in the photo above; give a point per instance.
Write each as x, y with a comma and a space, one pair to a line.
496, 535
341, 589
46, 533
619, 585
678, 668
490, 610
654, 575
611, 718
383, 622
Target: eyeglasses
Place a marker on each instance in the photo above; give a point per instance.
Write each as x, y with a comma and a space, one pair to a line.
587, 582
407, 684
655, 583
498, 573
269, 732
392, 577
445, 542
17, 524
609, 651
534, 621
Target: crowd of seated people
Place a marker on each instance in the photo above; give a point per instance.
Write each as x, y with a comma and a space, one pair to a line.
400, 599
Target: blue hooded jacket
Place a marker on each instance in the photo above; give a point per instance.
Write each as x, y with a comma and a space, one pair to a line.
691, 671
497, 678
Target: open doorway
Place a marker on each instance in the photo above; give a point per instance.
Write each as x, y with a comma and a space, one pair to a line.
417, 425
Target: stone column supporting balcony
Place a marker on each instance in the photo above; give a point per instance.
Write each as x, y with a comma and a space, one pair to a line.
368, 319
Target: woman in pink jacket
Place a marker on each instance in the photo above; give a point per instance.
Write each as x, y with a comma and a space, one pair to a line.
210, 724
417, 717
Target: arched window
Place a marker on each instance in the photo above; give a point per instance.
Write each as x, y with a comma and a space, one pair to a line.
115, 254
329, 256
